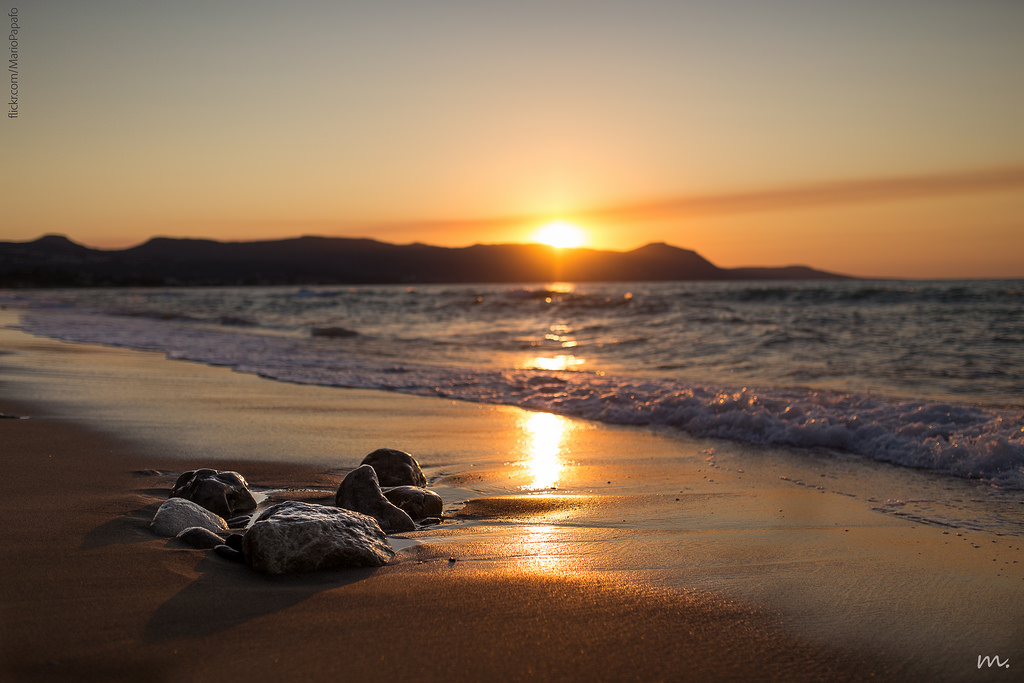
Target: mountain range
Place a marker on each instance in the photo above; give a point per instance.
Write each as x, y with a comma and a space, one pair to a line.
56, 261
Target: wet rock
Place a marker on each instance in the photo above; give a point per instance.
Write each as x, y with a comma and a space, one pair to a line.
178, 514
198, 537
360, 491
418, 502
294, 537
395, 468
225, 493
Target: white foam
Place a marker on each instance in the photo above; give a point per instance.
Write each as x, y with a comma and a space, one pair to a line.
963, 441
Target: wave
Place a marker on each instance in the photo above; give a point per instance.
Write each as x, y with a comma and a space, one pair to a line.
873, 293
963, 441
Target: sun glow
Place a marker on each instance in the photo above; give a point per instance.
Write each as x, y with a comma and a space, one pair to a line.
561, 235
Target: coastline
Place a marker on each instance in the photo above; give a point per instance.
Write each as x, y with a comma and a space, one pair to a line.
544, 584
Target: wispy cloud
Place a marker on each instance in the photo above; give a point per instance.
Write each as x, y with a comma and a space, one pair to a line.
794, 197
819, 194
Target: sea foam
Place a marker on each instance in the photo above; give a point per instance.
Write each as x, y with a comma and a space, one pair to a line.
985, 443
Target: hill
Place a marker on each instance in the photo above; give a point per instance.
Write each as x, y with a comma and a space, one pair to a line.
56, 261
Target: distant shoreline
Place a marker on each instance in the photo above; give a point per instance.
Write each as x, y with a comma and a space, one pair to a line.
56, 261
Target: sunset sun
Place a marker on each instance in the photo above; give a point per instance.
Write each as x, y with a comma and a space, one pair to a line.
560, 234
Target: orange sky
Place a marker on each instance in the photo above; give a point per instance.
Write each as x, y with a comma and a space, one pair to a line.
861, 138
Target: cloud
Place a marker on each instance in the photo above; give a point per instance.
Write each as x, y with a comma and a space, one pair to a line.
795, 197
818, 194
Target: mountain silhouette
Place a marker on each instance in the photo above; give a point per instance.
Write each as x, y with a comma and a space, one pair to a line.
56, 261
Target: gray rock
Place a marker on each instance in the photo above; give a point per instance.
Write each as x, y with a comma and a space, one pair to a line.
360, 491
198, 537
295, 537
418, 502
395, 468
225, 493
178, 514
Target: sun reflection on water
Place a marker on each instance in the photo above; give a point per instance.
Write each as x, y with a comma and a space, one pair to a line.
559, 362
546, 433
561, 287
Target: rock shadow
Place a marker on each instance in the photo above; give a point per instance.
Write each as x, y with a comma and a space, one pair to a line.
131, 527
229, 594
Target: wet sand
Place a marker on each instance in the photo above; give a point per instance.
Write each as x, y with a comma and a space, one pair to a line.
90, 593
656, 558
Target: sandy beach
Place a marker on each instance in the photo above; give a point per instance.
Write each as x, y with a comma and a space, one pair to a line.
702, 320
657, 557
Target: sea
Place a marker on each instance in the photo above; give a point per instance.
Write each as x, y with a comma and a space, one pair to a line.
925, 375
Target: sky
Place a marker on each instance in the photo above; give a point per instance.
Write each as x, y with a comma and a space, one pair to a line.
873, 138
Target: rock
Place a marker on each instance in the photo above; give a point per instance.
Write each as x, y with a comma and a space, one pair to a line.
234, 541
294, 537
395, 468
229, 553
225, 493
198, 537
178, 514
417, 502
359, 491
333, 332
239, 522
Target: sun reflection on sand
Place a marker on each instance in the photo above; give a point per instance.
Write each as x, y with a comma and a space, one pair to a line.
546, 433
543, 546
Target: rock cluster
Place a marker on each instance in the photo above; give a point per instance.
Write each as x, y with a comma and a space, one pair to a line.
294, 536
390, 487
361, 492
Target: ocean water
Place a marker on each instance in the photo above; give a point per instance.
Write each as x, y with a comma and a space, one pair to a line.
927, 375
